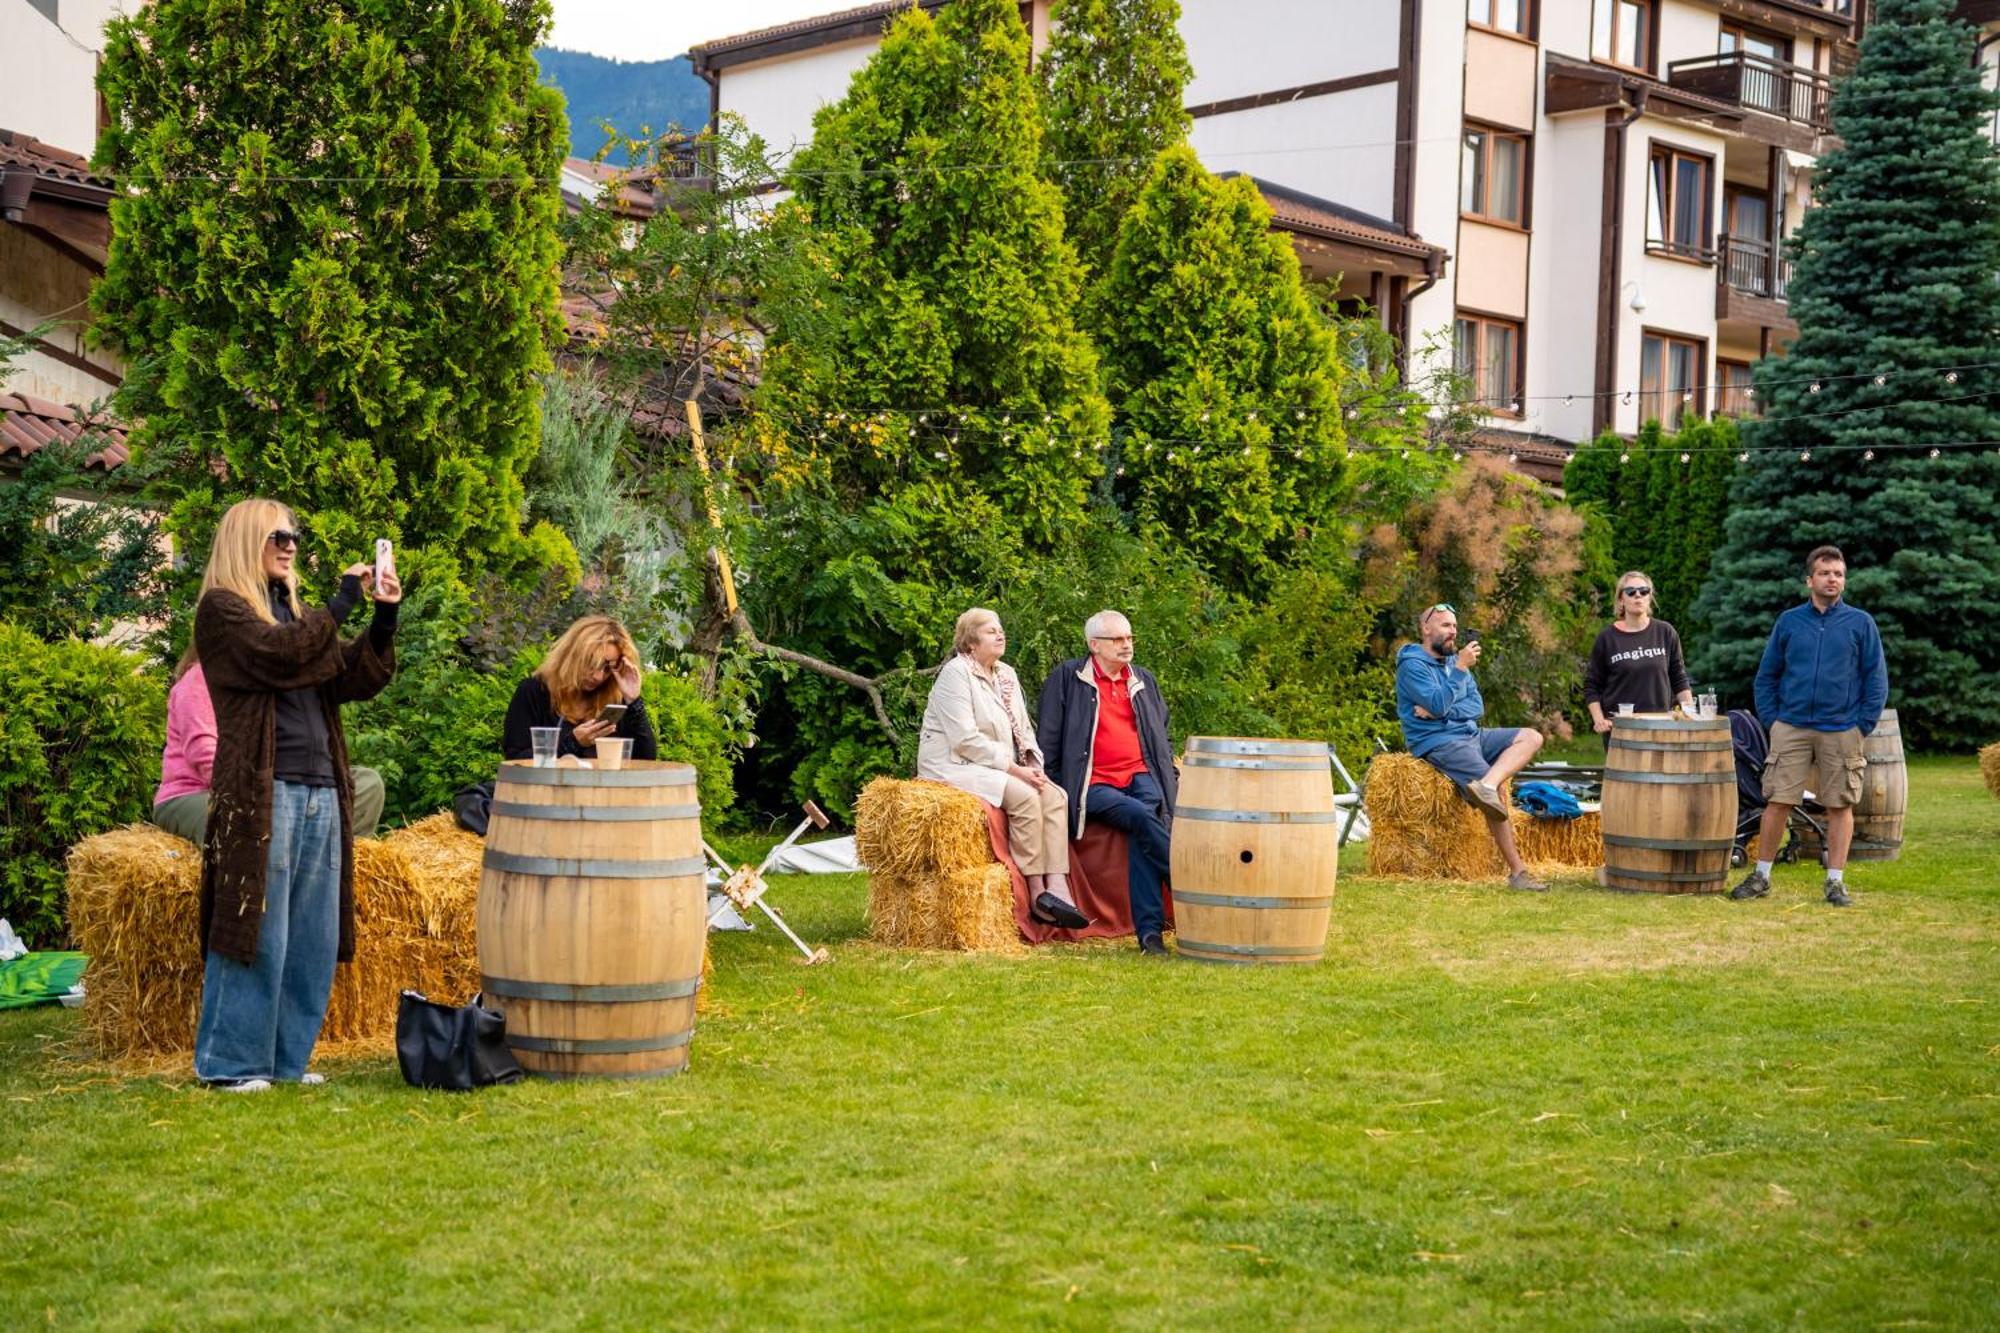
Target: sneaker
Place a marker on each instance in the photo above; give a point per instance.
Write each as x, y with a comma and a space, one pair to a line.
1488, 796
241, 1085
1754, 885
311, 1080
1526, 882
1836, 894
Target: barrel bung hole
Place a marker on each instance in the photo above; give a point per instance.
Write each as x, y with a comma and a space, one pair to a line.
1246, 856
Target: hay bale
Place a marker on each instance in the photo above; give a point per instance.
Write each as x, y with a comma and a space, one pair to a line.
933, 881
134, 900
919, 828
1989, 767
1560, 844
1420, 828
134, 897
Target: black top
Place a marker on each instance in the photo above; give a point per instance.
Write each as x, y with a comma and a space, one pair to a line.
1638, 667
303, 754
533, 707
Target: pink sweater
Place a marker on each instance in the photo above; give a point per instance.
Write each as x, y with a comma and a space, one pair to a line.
190, 754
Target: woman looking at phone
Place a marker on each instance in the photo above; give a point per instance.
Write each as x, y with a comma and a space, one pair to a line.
277, 872
588, 685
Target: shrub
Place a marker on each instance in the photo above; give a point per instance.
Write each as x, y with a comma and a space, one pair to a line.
81, 729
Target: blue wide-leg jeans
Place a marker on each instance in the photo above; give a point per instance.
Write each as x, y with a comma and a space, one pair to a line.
1135, 810
261, 1019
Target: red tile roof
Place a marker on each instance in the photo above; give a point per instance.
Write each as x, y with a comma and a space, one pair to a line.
801, 27
19, 150
27, 423
1296, 211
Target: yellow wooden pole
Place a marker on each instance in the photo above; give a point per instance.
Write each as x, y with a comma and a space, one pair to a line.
714, 510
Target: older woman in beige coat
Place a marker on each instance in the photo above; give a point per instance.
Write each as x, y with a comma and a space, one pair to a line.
978, 737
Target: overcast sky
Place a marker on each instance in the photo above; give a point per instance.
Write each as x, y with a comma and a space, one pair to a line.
656, 29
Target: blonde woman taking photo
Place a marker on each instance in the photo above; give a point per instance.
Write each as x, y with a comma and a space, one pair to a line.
978, 737
588, 686
277, 874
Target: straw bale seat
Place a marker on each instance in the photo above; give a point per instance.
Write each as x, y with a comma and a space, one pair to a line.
933, 881
1989, 767
1421, 828
134, 900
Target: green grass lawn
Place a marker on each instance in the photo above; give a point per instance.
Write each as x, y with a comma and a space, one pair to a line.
1572, 1109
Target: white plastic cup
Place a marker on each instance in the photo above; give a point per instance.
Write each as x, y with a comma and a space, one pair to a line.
1706, 703
1626, 710
545, 740
613, 751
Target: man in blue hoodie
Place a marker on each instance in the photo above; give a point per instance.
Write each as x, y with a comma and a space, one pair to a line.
1820, 689
1440, 706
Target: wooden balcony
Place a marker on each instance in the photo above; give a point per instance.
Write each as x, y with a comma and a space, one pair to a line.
1752, 282
1791, 95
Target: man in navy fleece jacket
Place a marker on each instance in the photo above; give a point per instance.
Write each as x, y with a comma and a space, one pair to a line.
1820, 689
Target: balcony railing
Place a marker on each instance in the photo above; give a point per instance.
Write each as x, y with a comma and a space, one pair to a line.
1758, 83
1751, 266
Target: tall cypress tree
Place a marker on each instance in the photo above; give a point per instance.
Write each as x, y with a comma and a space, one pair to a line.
1113, 78
1225, 379
334, 262
1896, 289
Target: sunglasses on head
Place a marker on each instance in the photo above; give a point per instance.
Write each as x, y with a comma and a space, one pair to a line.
1441, 606
285, 539
1637, 590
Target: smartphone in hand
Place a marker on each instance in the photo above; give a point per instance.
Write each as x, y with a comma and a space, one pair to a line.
612, 713
385, 559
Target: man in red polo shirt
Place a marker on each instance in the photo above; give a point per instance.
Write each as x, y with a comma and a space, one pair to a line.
1103, 732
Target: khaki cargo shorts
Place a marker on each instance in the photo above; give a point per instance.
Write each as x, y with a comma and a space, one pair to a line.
1828, 763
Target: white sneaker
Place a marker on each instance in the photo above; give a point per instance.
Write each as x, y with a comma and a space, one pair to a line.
243, 1085
311, 1080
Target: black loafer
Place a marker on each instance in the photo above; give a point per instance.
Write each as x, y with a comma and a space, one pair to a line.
1055, 912
1153, 946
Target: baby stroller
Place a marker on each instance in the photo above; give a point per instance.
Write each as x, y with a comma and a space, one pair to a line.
1751, 747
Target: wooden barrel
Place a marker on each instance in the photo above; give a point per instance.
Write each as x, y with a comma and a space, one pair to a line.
1885, 798
1669, 812
1255, 850
591, 920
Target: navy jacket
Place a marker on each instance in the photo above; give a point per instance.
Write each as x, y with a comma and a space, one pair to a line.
1823, 670
1066, 729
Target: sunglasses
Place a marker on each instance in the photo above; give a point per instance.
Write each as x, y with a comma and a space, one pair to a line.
285, 539
1636, 591
1441, 606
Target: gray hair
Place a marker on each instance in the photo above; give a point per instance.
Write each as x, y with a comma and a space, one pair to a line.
1094, 627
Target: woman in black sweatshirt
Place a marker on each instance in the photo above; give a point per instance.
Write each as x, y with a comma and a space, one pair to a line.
594, 664
1636, 660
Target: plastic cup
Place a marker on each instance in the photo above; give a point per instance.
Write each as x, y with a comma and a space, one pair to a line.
1626, 710
1706, 703
613, 751
545, 740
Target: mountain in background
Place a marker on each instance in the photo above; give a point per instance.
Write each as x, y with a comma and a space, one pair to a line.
629, 94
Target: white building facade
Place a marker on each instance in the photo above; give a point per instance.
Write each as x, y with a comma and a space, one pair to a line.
1589, 198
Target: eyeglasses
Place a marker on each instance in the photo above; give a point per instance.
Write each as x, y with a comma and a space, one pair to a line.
285, 539
1430, 611
1637, 591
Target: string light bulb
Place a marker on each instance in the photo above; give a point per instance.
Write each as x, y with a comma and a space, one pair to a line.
1814, 388
1867, 455
1951, 377
1687, 458
1881, 380
1934, 453
1743, 457
1624, 458
1805, 455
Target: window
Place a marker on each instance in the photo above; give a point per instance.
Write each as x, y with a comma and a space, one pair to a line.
1732, 389
1500, 15
1487, 354
1677, 205
1670, 384
1621, 32
1493, 173
1765, 85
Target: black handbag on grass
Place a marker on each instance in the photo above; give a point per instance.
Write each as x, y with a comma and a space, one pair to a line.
454, 1049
